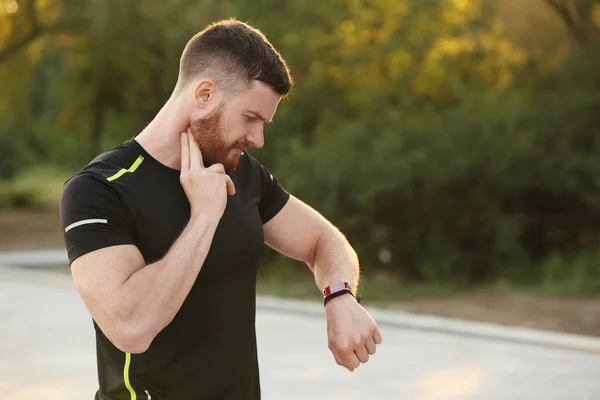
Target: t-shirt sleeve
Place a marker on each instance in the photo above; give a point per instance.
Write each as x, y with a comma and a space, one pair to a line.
272, 194
93, 216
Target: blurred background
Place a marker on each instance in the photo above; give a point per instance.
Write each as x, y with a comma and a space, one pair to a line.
455, 142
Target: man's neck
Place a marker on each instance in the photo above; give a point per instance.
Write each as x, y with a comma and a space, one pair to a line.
161, 138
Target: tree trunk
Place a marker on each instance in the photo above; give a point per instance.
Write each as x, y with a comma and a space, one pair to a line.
569, 12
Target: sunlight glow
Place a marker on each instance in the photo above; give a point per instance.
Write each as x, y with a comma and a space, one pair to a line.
464, 383
596, 14
10, 6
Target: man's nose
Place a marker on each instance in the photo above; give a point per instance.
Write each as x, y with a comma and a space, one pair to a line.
256, 137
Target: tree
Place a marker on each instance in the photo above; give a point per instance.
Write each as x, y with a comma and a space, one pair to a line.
582, 17
29, 20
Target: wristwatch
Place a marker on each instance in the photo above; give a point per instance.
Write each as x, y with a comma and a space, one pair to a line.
338, 289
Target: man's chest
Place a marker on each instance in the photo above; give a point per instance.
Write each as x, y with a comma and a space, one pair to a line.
161, 214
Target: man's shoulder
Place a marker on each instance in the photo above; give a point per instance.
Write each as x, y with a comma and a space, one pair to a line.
250, 162
247, 158
97, 174
249, 170
106, 164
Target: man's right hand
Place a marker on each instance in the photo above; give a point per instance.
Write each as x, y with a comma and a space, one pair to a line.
205, 188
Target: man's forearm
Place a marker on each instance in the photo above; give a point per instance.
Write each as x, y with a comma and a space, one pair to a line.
156, 292
335, 260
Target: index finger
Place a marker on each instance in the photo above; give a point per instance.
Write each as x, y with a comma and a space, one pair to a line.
196, 160
185, 152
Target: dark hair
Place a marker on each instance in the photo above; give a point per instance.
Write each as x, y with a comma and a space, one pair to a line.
235, 54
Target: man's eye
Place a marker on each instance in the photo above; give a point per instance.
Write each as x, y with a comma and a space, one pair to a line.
249, 118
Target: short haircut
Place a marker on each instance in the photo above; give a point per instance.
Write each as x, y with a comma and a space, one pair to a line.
234, 54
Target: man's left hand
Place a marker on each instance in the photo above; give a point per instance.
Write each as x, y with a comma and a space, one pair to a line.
352, 333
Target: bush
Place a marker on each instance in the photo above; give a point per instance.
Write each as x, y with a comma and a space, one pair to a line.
576, 274
467, 193
35, 188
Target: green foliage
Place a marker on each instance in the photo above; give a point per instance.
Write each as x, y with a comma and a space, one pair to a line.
36, 188
571, 275
445, 152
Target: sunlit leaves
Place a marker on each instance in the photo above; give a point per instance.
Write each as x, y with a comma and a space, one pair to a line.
460, 12
596, 14
9, 6
417, 49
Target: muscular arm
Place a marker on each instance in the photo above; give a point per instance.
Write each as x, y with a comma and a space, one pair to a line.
301, 233
132, 302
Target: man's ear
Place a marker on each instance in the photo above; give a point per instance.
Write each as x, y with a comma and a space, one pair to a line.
203, 92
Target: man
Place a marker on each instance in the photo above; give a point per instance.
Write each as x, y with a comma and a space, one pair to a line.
165, 232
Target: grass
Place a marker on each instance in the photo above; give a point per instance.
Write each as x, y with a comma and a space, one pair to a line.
288, 279
37, 188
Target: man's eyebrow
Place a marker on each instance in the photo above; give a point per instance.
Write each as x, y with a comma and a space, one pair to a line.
259, 116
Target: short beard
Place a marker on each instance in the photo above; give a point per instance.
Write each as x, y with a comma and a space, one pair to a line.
209, 134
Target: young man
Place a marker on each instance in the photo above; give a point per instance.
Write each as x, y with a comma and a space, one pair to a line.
165, 232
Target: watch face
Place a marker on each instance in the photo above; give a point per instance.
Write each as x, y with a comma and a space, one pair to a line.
336, 288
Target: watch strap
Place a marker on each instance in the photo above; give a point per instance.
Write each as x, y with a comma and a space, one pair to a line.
338, 289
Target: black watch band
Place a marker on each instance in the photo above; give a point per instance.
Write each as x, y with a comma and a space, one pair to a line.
333, 291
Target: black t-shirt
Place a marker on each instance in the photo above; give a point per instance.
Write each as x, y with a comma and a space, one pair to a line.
208, 351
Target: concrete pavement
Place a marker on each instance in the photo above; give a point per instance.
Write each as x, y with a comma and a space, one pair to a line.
47, 352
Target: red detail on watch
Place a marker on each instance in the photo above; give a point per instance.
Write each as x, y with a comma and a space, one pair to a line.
336, 287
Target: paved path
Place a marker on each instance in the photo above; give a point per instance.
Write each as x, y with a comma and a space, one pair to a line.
47, 352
